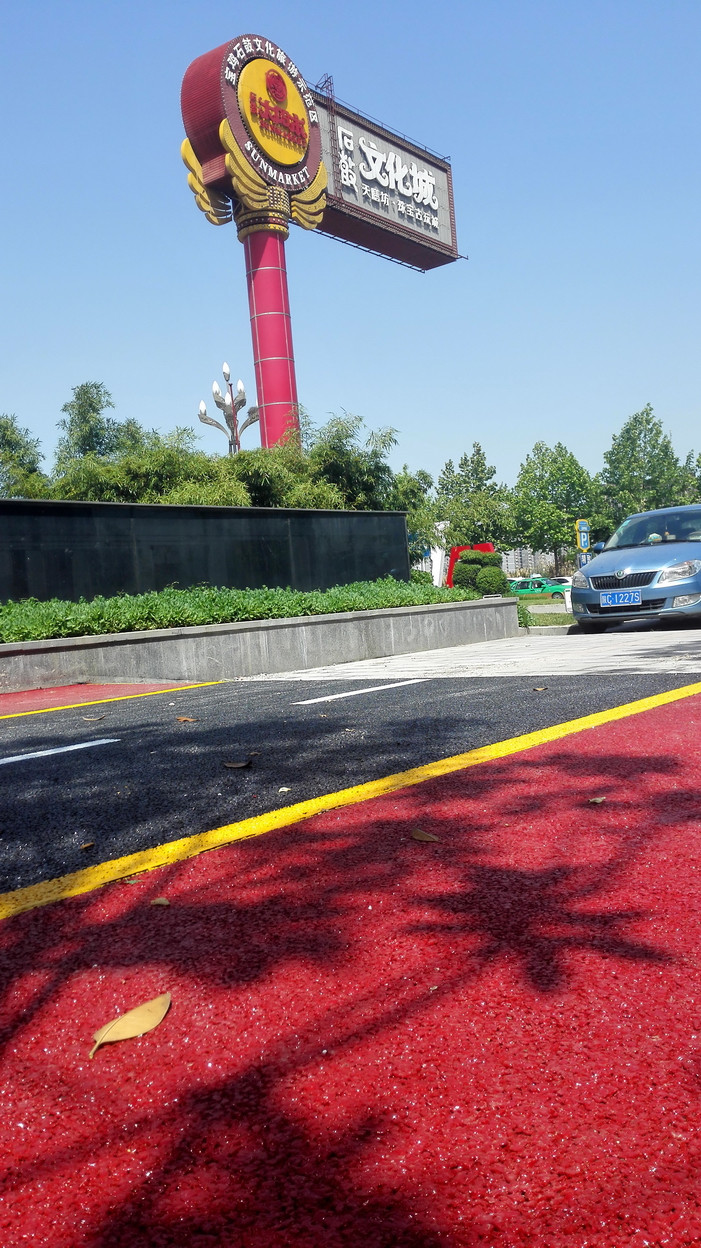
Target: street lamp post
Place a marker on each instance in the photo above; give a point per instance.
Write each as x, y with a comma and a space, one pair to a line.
230, 405
234, 405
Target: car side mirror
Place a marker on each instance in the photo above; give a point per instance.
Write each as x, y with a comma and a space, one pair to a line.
598, 547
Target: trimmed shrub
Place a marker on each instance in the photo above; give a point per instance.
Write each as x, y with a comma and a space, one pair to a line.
483, 558
465, 573
418, 577
491, 580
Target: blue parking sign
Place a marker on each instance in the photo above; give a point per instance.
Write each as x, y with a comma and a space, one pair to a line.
582, 531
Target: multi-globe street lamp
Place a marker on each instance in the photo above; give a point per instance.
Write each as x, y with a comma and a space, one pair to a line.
230, 405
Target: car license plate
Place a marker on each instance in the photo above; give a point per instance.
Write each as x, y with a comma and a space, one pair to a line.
621, 598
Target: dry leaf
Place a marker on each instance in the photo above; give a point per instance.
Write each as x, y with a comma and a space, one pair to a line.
93, 719
134, 1023
185, 719
539, 688
596, 801
418, 835
87, 845
238, 766
284, 789
159, 901
252, 752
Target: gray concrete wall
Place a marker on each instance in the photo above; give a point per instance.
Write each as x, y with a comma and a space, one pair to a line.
226, 651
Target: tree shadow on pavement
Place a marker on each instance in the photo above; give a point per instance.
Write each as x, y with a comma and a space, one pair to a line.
529, 917
236, 1165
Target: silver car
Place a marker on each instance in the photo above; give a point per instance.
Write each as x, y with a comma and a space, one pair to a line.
649, 569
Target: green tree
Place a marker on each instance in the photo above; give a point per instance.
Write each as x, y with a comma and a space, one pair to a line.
641, 470
101, 459
690, 479
412, 492
20, 461
475, 506
88, 431
148, 473
357, 468
552, 491
169, 469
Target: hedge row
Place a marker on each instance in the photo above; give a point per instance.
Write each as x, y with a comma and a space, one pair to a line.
31, 620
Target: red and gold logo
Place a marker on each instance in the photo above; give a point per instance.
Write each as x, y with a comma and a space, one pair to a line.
274, 112
277, 88
253, 147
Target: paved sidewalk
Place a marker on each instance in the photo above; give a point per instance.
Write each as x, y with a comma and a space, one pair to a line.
563, 655
487, 1038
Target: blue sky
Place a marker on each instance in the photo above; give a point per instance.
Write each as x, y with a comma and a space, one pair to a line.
573, 134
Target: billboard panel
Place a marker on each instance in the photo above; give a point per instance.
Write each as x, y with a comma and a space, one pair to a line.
384, 193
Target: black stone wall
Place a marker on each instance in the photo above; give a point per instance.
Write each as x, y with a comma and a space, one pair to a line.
80, 550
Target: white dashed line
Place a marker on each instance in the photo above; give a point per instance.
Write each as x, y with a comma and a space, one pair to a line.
354, 693
63, 749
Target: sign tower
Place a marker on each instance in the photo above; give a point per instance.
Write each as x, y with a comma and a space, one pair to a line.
264, 149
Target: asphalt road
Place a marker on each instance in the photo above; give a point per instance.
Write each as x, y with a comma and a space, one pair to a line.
155, 779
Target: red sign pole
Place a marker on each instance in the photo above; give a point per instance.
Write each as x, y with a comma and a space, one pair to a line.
253, 152
271, 330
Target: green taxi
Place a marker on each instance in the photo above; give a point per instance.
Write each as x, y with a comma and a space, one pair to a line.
537, 585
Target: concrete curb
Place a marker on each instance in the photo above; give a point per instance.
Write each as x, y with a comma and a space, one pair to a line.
555, 630
254, 647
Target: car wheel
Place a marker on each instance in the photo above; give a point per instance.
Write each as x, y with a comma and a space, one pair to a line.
591, 628
560, 597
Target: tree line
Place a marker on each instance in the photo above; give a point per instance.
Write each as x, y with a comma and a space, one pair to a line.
343, 465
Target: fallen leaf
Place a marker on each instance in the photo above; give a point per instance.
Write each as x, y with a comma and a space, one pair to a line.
418, 835
539, 688
134, 1023
237, 766
185, 719
253, 752
596, 801
87, 845
93, 719
159, 901
284, 789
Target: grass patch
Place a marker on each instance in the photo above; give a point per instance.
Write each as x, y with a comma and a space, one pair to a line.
538, 598
549, 619
31, 620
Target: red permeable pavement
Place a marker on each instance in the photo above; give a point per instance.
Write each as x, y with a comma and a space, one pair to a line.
74, 695
493, 1039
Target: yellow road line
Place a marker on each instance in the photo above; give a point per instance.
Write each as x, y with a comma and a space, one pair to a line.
189, 846
124, 697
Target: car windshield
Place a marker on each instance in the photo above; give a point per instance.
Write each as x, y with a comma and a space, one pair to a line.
651, 530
